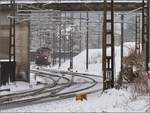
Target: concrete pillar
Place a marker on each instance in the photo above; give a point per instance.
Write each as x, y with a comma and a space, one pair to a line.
22, 45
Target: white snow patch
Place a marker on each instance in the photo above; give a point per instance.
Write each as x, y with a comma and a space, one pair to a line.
20, 86
110, 101
95, 60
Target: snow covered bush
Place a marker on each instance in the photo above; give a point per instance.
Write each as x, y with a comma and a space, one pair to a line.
133, 71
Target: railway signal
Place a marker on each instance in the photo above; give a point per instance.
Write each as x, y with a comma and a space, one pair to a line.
108, 42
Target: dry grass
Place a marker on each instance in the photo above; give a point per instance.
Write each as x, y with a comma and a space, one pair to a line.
133, 71
134, 60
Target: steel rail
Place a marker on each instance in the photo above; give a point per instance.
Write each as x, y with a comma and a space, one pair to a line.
54, 96
25, 93
33, 92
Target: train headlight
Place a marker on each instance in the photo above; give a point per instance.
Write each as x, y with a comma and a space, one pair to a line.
45, 57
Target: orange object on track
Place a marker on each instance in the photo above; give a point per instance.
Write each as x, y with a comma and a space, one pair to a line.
81, 97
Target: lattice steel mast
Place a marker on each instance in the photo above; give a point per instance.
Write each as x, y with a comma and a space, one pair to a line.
12, 36
12, 56
137, 35
108, 43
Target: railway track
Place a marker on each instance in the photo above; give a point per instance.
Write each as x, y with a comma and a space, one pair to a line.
51, 87
54, 91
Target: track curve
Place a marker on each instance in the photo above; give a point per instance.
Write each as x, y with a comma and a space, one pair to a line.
51, 92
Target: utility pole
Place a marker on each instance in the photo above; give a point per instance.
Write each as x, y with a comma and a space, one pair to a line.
12, 45
29, 45
71, 50
80, 32
65, 38
108, 42
71, 43
54, 49
59, 34
59, 45
145, 32
122, 50
99, 29
87, 41
147, 42
55, 42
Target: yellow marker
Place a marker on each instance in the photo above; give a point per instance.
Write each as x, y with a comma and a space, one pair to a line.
81, 97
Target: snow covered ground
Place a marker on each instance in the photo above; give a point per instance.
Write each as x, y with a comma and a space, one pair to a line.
112, 100
95, 60
20, 86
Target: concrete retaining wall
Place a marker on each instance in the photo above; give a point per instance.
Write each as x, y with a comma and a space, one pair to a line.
22, 44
